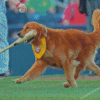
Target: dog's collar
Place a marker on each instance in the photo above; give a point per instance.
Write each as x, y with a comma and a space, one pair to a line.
40, 49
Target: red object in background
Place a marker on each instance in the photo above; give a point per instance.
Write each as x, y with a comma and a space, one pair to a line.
73, 15
23, 1
18, 4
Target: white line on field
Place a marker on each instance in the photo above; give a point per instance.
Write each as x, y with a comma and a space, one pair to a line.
90, 93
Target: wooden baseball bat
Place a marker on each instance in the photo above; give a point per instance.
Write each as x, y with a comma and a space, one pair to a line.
21, 40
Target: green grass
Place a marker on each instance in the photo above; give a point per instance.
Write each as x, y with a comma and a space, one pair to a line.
47, 90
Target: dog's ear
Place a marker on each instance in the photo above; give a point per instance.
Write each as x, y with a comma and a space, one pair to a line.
96, 19
44, 30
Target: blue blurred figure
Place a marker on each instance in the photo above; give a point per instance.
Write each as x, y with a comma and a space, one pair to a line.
4, 57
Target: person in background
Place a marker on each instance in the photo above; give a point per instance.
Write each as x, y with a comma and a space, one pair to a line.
13, 7
42, 11
4, 57
41, 6
72, 16
21, 18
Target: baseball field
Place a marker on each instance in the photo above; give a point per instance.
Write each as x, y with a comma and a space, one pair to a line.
50, 88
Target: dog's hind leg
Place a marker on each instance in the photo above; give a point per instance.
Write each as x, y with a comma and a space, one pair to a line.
81, 67
70, 71
77, 72
93, 67
38, 68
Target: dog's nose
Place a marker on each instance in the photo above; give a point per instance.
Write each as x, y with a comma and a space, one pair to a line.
19, 34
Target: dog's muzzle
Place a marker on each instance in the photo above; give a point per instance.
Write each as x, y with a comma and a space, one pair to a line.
31, 37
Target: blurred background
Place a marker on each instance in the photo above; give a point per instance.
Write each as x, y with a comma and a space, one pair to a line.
57, 14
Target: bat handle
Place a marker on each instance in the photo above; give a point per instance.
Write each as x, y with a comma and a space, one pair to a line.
12, 45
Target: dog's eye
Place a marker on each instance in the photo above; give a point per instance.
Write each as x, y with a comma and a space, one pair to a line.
27, 27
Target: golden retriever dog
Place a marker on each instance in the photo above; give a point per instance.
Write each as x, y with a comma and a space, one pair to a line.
72, 50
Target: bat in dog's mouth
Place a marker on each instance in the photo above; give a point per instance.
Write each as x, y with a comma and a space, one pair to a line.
28, 40
29, 37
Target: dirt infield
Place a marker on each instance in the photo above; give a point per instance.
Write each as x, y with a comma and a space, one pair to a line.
63, 78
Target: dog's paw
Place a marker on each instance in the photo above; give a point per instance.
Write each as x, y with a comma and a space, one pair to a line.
66, 84
74, 84
18, 81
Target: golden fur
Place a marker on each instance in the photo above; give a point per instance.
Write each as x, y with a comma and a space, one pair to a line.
72, 50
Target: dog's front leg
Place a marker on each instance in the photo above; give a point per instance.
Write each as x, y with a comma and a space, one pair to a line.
69, 70
38, 68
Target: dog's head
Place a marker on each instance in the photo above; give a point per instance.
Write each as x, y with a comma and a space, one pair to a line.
96, 19
41, 31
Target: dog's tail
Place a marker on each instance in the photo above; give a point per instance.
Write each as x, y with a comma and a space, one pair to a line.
96, 19
95, 35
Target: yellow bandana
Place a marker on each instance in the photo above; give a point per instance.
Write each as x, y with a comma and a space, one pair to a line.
40, 50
